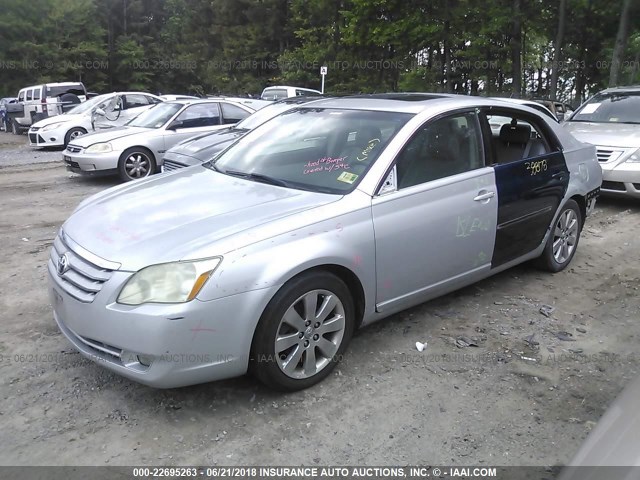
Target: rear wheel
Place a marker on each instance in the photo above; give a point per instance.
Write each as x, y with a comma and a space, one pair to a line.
303, 332
136, 163
563, 239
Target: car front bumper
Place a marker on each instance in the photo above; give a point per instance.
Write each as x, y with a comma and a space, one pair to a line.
80, 162
46, 138
622, 180
163, 346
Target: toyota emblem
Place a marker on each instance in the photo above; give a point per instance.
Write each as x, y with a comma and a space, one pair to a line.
63, 264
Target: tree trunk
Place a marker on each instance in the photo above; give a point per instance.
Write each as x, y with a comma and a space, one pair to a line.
516, 49
621, 43
557, 49
447, 56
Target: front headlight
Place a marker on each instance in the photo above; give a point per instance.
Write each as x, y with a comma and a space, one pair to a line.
52, 126
634, 157
175, 282
99, 148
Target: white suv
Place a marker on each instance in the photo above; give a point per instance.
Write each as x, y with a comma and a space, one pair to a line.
42, 101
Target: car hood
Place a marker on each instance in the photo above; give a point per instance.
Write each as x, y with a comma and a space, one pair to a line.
108, 135
606, 134
170, 217
57, 119
203, 147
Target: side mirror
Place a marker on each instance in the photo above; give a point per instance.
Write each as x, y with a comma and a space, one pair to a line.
175, 125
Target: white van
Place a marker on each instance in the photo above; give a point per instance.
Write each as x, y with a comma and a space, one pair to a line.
278, 93
46, 100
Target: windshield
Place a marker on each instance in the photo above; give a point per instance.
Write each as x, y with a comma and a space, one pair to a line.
156, 116
610, 107
262, 115
89, 104
323, 150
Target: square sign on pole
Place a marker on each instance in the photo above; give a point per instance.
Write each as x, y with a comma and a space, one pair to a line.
323, 72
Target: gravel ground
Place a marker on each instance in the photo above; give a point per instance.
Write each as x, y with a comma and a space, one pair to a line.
499, 383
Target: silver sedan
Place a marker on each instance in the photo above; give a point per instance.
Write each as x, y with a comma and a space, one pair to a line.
611, 121
328, 217
132, 151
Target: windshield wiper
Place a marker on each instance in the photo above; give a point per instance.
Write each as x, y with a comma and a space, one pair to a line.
258, 177
212, 165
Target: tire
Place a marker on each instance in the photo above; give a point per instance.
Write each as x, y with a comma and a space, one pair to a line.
73, 134
288, 339
563, 239
136, 158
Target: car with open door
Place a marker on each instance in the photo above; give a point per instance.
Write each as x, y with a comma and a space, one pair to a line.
59, 130
133, 149
330, 216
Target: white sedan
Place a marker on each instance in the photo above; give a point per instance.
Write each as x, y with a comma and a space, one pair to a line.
116, 108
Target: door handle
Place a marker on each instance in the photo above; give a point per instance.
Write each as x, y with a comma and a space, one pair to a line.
484, 196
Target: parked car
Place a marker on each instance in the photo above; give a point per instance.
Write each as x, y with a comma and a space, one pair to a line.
115, 109
561, 110
202, 148
611, 121
132, 151
278, 93
122, 108
329, 216
5, 125
42, 101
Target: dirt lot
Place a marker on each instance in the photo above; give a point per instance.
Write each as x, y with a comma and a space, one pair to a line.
386, 404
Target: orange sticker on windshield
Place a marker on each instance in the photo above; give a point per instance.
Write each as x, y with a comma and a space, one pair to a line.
347, 177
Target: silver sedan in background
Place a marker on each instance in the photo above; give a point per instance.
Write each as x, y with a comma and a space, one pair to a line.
330, 216
132, 151
611, 121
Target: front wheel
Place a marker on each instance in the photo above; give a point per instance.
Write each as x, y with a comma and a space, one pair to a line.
303, 332
136, 163
563, 240
73, 134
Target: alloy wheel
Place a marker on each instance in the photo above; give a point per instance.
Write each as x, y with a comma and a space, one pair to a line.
310, 334
137, 165
565, 236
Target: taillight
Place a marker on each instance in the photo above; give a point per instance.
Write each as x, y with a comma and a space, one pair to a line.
44, 105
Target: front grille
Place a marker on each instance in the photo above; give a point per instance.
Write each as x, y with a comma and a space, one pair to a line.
618, 186
33, 138
74, 148
82, 280
607, 154
170, 166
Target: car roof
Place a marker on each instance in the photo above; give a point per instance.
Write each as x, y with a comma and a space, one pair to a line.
409, 102
629, 88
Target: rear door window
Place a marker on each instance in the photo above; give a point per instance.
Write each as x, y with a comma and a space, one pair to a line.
202, 115
36, 94
232, 114
29, 95
135, 100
